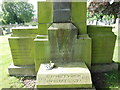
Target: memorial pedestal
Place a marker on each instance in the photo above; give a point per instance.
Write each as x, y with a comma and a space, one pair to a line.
68, 76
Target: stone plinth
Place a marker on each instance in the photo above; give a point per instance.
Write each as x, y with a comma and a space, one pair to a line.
42, 50
82, 49
26, 70
68, 76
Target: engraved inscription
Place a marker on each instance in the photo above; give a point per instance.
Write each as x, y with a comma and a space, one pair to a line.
65, 78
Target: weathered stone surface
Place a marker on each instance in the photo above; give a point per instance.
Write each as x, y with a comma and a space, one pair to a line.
22, 46
62, 16
61, 12
103, 43
42, 50
78, 16
62, 37
66, 77
22, 70
1, 31
43, 29
25, 32
45, 11
82, 49
22, 50
61, 5
118, 25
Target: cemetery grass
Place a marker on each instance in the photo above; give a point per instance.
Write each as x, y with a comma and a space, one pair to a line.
100, 80
7, 81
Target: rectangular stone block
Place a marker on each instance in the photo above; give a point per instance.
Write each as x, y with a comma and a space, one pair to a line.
78, 16
42, 50
83, 49
1, 31
61, 5
24, 32
61, 12
45, 11
64, 77
22, 70
22, 50
62, 37
43, 29
61, 16
82, 28
103, 43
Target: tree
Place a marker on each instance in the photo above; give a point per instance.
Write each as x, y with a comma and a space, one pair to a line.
105, 8
19, 12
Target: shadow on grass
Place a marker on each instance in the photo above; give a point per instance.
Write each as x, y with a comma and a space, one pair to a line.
107, 80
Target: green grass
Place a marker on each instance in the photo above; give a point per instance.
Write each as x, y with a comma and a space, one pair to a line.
112, 79
7, 81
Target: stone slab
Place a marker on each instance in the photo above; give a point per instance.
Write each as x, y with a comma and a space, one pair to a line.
103, 43
82, 49
45, 9
64, 77
78, 16
42, 50
28, 70
1, 31
22, 50
61, 16
61, 12
104, 67
61, 5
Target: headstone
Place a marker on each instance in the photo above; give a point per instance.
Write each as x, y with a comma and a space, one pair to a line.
103, 43
62, 38
22, 50
66, 48
1, 31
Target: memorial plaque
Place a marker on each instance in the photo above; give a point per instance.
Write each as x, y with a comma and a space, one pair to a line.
64, 76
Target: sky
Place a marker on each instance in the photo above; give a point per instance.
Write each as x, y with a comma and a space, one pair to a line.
34, 2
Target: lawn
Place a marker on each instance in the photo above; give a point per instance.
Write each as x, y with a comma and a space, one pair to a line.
5, 60
100, 80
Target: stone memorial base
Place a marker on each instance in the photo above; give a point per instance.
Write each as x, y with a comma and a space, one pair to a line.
64, 77
22, 70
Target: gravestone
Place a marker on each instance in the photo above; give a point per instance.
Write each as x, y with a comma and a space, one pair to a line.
62, 50
61, 45
22, 50
1, 31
